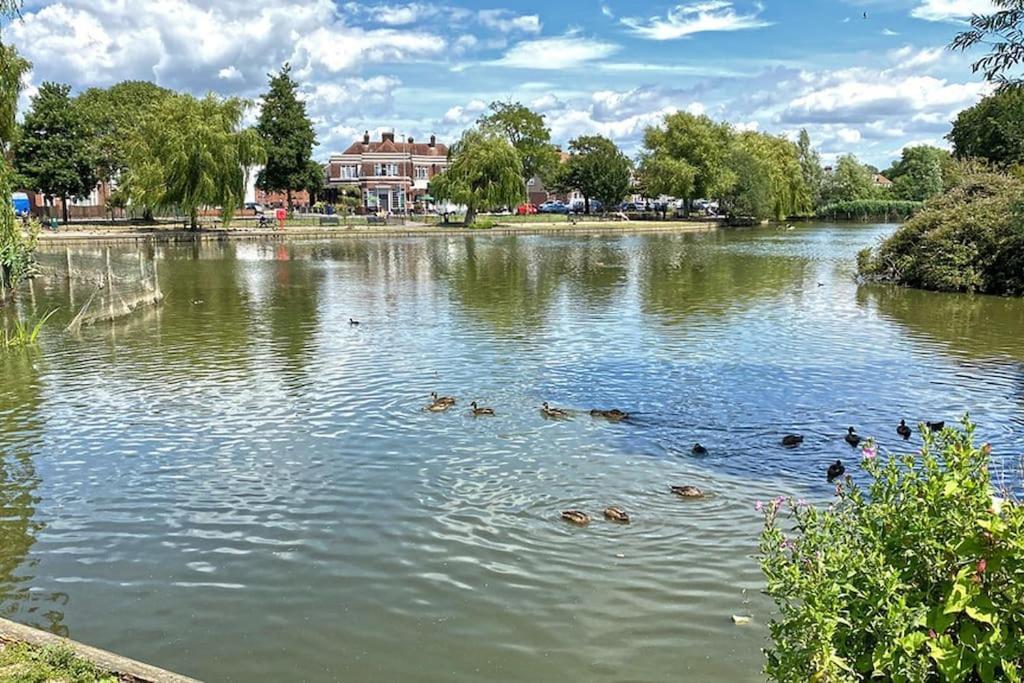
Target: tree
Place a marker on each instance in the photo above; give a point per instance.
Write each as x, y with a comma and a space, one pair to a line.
597, 169
769, 178
1003, 32
700, 144
484, 172
314, 182
53, 151
288, 136
110, 116
992, 130
922, 172
525, 130
849, 181
189, 153
810, 167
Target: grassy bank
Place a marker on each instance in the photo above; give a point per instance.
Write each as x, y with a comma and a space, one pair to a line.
28, 664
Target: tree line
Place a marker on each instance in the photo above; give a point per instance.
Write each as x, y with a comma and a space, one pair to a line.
166, 151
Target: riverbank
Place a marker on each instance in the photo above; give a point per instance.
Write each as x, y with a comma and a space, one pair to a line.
98, 232
30, 654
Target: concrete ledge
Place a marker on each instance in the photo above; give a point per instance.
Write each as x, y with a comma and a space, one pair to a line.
127, 669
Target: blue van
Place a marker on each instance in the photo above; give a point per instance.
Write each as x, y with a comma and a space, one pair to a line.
21, 204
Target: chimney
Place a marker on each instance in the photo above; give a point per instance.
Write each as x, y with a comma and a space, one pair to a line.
411, 140
433, 141
366, 138
386, 137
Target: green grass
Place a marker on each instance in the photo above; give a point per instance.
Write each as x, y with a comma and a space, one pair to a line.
24, 333
22, 663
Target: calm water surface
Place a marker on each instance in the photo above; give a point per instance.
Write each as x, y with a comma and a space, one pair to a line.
240, 486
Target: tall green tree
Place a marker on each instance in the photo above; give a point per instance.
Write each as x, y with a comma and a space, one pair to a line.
526, 131
15, 247
769, 178
700, 144
316, 177
288, 136
1002, 31
190, 153
810, 167
52, 151
992, 130
850, 180
921, 173
484, 172
111, 116
597, 169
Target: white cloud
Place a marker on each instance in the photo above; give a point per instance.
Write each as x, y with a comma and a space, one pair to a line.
945, 10
506, 21
560, 52
465, 115
696, 17
910, 58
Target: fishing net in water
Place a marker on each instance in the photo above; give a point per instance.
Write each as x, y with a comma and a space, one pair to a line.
104, 284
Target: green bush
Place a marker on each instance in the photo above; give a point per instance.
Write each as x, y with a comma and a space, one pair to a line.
483, 224
969, 239
870, 210
26, 664
920, 577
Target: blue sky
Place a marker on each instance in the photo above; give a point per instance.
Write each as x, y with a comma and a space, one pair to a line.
863, 76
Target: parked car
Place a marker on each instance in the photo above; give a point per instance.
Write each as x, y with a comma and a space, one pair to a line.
580, 206
553, 207
255, 207
526, 210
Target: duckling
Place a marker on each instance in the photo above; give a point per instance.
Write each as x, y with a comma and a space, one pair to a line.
443, 400
699, 450
903, 430
576, 517
553, 413
614, 415
935, 426
481, 412
792, 440
852, 438
353, 323
616, 514
687, 491
836, 471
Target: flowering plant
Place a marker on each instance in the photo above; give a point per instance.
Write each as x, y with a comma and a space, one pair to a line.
919, 576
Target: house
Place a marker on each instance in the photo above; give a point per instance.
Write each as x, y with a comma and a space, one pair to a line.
390, 176
881, 181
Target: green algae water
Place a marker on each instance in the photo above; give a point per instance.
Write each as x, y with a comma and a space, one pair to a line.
240, 486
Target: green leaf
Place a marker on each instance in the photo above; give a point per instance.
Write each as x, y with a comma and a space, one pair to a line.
982, 610
948, 658
962, 592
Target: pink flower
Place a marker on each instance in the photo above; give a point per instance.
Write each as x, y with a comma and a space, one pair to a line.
870, 452
802, 503
758, 506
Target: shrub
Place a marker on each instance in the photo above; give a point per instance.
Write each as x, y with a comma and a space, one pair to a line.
970, 239
870, 210
920, 577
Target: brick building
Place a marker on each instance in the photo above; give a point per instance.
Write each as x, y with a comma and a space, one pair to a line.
391, 176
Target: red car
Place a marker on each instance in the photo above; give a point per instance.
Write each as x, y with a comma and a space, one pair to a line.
526, 210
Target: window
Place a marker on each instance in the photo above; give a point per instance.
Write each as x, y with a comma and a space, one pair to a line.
349, 171
392, 169
378, 170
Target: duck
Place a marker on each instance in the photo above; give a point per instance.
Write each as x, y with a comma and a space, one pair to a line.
852, 438
481, 412
616, 514
614, 415
835, 471
553, 413
687, 491
576, 517
443, 400
903, 430
792, 440
353, 323
438, 407
935, 426
699, 450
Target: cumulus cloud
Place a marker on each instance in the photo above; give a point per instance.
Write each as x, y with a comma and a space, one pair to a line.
560, 52
506, 21
945, 10
697, 17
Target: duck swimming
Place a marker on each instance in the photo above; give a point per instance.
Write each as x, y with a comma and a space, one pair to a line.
903, 430
576, 517
554, 413
835, 471
481, 412
935, 426
616, 514
699, 450
613, 415
852, 438
687, 491
792, 440
443, 400
353, 323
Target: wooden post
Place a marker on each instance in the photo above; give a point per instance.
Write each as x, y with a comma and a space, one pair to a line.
110, 287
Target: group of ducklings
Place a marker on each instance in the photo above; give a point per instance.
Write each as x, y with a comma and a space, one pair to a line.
837, 469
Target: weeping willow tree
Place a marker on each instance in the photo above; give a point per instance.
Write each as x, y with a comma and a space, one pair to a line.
190, 153
16, 248
485, 172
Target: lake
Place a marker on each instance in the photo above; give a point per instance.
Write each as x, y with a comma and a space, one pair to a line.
239, 485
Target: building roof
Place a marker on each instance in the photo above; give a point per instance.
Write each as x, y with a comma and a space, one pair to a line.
387, 145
